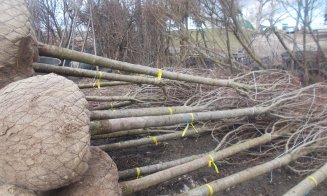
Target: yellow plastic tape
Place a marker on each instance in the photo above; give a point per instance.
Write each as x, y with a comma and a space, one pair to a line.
192, 122
210, 189
313, 179
99, 79
154, 139
138, 173
188, 124
171, 111
185, 129
159, 74
212, 162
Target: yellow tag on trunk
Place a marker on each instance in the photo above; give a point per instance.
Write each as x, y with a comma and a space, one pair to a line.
99, 79
210, 189
159, 74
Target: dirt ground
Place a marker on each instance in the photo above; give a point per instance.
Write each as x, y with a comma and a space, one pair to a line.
270, 184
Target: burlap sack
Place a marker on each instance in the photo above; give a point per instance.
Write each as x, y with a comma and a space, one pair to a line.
12, 190
44, 133
101, 179
18, 45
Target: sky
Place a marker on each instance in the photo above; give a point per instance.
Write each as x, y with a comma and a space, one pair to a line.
250, 7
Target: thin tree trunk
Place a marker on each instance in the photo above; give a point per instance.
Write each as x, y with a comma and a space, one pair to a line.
111, 98
156, 111
114, 125
67, 71
130, 132
150, 140
310, 182
285, 47
103, 84
113, 105
232, 13
296, 30
157, 167
228, 45
250, 53
317, 43
245, 175
63, 53
129, 187
305, 24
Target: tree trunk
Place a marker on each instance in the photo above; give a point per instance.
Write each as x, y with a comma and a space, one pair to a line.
132, 186
67, 71
114, 125
285, 47
63, 53
103, 84
305, 25
149, 140
306, 185
243, 176
156, 111
228, 44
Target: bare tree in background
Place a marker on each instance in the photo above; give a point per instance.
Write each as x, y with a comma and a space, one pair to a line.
54, 20
259, 15
305, 10
158, 33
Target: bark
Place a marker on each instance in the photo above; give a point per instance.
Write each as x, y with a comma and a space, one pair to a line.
113, 105
310, 182
156, 111
157, 167
67, 71
150, 140
129, 187
62, 53
111, 98
103, 84
114, 125
129, 133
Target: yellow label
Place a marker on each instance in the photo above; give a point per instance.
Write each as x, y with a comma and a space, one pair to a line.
159, 74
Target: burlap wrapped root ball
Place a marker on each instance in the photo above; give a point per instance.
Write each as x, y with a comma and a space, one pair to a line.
18, 45
44, 133
12, 190
101, 179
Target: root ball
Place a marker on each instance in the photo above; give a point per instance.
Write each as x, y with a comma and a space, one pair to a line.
101, 179
44, 133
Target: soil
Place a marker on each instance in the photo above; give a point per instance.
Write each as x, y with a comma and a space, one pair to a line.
276, 183
270, 184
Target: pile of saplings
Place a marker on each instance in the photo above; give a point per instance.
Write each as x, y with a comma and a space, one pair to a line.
45, 141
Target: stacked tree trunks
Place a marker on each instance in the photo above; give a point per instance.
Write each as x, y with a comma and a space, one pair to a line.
248, 110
